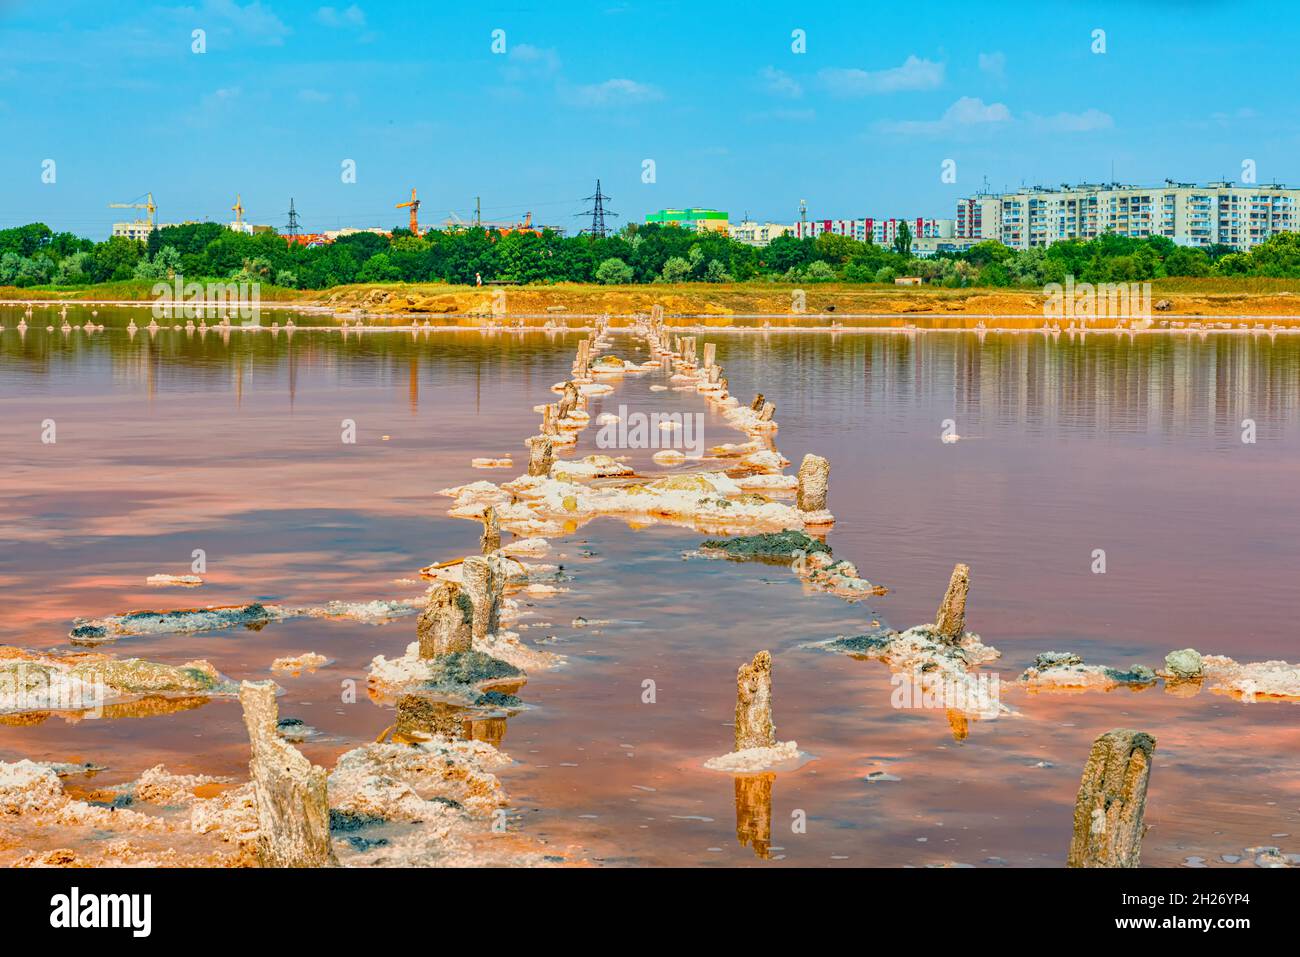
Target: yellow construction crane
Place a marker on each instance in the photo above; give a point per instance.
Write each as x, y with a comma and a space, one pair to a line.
238, 210
414, 206
148, 206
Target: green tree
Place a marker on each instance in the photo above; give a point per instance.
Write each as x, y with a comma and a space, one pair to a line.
614, 272
903, 239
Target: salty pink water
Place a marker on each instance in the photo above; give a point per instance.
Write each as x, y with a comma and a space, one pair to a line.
175, 442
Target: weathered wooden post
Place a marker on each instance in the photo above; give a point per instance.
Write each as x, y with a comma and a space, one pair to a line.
548, 419
541, 455
757, 404
950, 619
568, 401
769, 410
484, 580
710, 350
1112, 799
289, 792
814, 474
445, 625
490, 540
754, 727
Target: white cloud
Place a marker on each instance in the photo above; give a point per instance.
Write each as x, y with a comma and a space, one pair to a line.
525, 61
614, 92
313, 96
780, 83
913, 74
994, 64
969, 112
1085, 122
353, 16
253, 21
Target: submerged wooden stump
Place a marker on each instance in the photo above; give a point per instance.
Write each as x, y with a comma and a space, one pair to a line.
445, 625
814, 474
754, 727
541, 455
1112, 799
757, 404
950, 619
289, 792
484, 581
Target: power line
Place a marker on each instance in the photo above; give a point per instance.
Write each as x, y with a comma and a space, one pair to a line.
597, 213
293, 219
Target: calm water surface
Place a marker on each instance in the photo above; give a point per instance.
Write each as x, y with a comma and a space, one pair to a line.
176, 441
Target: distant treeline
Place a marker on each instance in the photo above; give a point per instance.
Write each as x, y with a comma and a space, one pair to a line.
34, 255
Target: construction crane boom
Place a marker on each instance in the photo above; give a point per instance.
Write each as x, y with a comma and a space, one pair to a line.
414, 206
146, 205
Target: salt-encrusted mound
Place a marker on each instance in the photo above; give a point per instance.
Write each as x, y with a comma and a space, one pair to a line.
1065, 671
36, 681
1252, 681
942, 668
94, 631
755, 759
810, 558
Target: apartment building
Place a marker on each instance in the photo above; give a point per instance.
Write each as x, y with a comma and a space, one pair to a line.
755, 233
1190, 215
882, 232
692, 217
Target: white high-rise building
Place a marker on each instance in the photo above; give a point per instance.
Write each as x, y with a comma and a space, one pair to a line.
1190, 215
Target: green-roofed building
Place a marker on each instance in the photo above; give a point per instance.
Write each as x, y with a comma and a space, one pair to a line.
690, 218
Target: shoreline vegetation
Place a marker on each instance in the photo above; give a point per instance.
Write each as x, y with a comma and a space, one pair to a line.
1248, 300
493, 275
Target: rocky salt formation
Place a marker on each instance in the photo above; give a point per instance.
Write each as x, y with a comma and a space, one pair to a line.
158, 821
87, 631
1184, 665
940, 659
1065, 671
1254, 681
35, 681
254, 616
307, 661
1185, 672
809, 558
184, 581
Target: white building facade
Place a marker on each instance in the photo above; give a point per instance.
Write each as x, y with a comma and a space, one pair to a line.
1235, 215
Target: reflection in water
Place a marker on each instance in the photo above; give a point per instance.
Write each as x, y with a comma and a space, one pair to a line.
149, 706
754, 812
1131, 444
419, 714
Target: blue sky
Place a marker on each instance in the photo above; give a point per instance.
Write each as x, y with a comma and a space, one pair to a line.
858, 125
